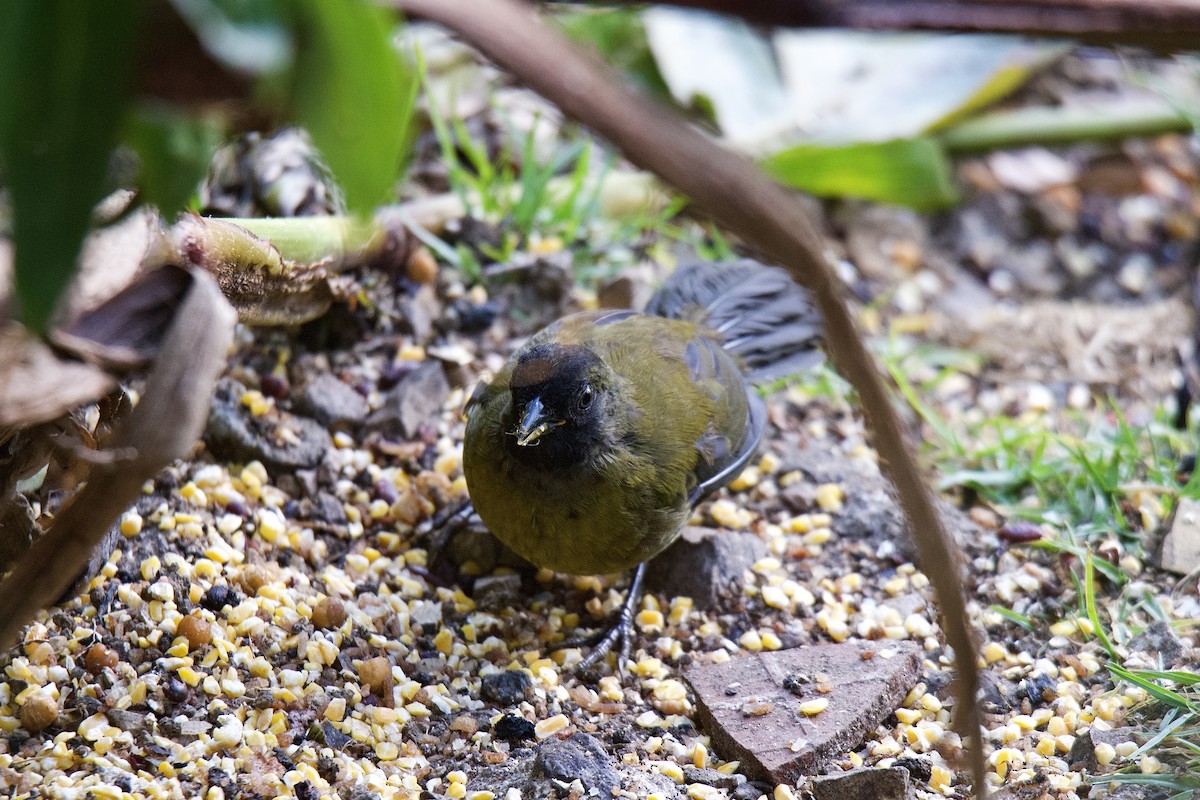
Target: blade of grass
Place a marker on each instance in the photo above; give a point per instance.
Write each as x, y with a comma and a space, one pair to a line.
1093, 614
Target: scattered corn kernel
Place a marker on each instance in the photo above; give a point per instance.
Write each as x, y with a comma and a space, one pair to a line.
813, 707
550, 725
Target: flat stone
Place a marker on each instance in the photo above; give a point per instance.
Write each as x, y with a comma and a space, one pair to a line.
497, 592
1083, 749
1159, 642
578, 757
712, 777
1180, 551
506, 688
864, 784
752, 718
706, 565
280, 440
417, 398
331, 402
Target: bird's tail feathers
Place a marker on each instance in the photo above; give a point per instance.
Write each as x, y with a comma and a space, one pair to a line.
766, 318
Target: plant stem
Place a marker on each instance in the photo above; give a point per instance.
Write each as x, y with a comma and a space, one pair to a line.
1062, 126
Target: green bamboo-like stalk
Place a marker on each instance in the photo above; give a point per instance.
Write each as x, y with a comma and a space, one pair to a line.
1062, 126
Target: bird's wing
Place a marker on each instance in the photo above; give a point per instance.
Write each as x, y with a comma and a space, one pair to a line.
756, 422
738, 414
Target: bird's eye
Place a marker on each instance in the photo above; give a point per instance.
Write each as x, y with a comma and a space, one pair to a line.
585, 396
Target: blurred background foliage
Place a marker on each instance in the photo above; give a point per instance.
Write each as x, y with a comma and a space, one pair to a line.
167, 81
139, 94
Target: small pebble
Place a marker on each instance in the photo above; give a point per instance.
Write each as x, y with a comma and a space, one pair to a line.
329, 612
39, 712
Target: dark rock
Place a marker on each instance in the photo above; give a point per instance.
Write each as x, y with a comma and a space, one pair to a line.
219, 596
864, 784
512, 728
327, 508
496, 592
132, 721
1040, 688
416, 398
750, 790
334, 738
417, 313
995, 693
176, 690
578, 757
331, 402
1159, 642
476, 318
712, 777
868, 681
705, 565
506, 688
1083, 751
234, 434
919, 769
274, 386
871, 511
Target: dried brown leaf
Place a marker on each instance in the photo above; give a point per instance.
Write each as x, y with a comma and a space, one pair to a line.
162, 427
37, 386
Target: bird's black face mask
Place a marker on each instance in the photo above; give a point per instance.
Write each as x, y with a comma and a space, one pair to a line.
557, 408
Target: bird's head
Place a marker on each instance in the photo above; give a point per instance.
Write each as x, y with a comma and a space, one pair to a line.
559, 400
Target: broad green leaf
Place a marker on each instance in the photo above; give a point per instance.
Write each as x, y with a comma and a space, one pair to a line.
909, 172
174, 149
354, 95
64, 83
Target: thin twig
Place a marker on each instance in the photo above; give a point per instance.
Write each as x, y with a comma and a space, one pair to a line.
739, 196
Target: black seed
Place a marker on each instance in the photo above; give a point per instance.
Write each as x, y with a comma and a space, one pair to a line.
511, 728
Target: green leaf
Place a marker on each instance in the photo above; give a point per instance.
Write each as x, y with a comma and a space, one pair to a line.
354, 95
1012, 616
1166, 696
1176, 675
174, 149
64, 83
909, 172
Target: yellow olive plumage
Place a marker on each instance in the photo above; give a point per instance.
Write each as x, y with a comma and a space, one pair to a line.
587, 451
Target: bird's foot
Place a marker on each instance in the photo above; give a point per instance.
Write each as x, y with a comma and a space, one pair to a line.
620, 632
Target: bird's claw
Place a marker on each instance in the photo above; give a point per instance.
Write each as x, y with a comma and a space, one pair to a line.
603, 642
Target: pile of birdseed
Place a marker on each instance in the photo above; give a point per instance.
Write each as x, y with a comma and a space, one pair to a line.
239, 644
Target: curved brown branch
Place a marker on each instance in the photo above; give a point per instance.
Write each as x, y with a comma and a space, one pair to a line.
1161, 25
738, 195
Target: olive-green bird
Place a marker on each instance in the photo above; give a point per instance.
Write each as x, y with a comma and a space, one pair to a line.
587, 451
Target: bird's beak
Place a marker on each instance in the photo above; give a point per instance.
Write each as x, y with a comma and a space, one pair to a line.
535, 423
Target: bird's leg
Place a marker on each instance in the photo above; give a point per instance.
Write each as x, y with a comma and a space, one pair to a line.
620, 631
440, 530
